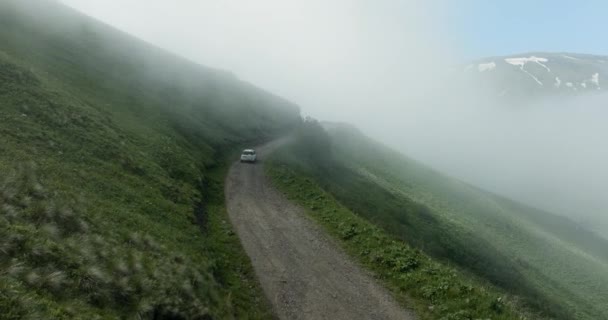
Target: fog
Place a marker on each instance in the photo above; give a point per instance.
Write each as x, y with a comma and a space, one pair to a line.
549, 154
384, 66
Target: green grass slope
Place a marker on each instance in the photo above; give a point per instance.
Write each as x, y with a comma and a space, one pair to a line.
549, 263
431, 289
111, 160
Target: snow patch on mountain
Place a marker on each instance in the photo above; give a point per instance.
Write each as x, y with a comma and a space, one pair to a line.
544, 66
595, 79
569, 84
558, 82
532, 76
482, 67
571, 58
521, 62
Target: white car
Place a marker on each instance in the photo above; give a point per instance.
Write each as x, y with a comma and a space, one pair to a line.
249, 155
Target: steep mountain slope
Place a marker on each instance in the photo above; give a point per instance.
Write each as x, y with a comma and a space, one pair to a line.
538, 74
111, 159
552, 264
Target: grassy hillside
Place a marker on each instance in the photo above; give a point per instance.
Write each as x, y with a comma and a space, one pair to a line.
111, 160
548, 262
432, 290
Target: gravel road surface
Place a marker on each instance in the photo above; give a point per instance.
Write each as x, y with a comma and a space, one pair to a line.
303, 272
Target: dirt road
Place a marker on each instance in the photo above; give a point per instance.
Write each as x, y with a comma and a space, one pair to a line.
303, 272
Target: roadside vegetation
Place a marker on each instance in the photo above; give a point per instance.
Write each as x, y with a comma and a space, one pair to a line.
435, 291
544, 263
112, 156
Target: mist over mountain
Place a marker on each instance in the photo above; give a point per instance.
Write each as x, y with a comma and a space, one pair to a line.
528, 126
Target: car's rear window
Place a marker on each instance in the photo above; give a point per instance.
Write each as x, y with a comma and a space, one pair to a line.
248, 153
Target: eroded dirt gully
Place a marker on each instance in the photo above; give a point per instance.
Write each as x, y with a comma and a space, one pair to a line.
303, 272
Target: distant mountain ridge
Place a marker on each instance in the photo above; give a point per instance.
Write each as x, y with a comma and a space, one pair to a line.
539, 74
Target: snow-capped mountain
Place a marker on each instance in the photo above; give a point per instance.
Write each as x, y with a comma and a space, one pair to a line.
540, 74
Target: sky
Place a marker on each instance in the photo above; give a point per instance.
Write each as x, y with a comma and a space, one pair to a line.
481, 28
489, 28
381, 64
